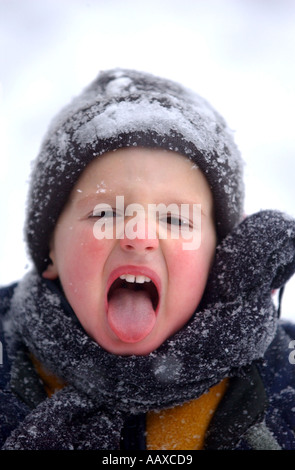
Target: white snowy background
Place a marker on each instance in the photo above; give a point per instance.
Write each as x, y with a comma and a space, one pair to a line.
239, 54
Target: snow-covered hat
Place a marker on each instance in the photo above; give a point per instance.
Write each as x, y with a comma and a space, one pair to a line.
126, 108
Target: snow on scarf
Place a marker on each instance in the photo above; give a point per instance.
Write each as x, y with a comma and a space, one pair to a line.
232, 328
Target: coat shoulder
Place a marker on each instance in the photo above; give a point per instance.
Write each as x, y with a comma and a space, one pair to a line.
278, 375
12, 409
6, 294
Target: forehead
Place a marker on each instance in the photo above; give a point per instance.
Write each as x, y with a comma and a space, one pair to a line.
139, 162
153, 171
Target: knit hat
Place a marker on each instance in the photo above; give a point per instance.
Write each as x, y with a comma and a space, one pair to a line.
126, 108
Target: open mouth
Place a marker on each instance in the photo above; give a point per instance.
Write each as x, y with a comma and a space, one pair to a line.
132, 304
136, 283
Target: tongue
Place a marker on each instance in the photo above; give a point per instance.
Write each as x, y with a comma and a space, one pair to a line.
130, 314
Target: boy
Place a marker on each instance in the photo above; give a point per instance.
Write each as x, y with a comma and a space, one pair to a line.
147, 322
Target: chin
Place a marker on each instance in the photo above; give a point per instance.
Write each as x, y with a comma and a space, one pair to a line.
139, 348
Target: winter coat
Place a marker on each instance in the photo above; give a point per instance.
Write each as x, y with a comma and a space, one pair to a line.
268, 391
257, 410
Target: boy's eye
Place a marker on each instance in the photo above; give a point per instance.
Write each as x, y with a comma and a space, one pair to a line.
177, 221
103, 211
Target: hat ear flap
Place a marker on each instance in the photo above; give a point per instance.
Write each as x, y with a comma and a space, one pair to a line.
286, 269
259, 254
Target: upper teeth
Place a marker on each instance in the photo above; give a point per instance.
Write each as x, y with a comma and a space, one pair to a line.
130, 278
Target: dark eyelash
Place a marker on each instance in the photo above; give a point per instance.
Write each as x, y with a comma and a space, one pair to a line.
102, 214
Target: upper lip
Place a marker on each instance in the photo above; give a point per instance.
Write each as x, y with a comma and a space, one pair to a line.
135, 271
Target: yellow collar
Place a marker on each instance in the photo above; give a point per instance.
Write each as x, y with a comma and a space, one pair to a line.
50, 381
184, 427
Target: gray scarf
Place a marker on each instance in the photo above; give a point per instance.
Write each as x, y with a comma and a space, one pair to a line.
232, 327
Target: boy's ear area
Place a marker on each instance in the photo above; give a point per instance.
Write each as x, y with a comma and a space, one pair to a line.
51, 271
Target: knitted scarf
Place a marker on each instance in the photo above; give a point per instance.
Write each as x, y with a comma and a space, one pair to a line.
232, 327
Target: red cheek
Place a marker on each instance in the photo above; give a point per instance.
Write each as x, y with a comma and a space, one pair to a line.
188, 267
180, 259
83, 256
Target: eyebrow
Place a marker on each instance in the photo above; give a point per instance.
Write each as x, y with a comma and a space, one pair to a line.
93, 199
105, 197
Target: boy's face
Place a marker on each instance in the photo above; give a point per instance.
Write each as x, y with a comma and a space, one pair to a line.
123, 316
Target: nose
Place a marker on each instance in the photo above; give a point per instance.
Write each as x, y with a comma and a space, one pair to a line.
139, 238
